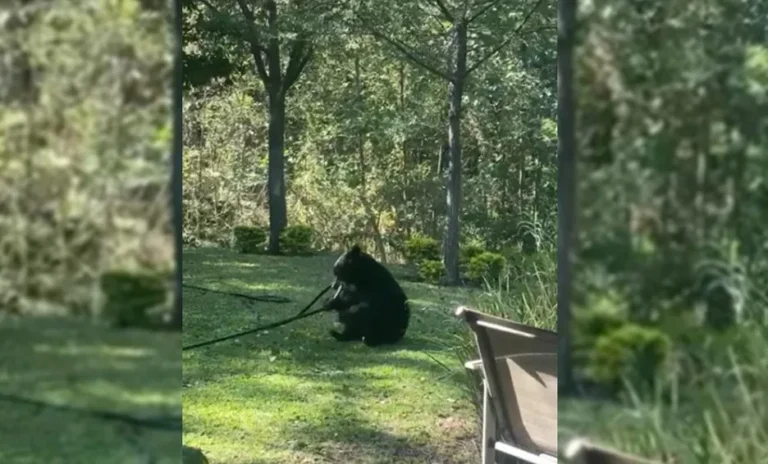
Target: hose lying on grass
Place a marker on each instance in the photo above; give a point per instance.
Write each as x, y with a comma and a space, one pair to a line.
301, 315
265, 298
156, 422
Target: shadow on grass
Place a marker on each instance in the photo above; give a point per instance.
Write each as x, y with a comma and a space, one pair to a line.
342, 433
77, 364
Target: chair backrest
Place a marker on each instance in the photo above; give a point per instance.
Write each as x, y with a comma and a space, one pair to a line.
580, 451
520, 366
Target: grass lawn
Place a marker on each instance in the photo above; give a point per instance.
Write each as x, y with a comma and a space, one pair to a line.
603, 421
74, 363
295, 395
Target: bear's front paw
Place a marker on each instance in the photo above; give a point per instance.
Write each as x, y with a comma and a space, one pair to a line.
371, 342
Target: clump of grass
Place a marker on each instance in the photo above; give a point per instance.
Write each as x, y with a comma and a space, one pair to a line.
719, 416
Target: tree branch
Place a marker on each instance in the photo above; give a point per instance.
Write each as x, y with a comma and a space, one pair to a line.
273, 45
482, 10
507, 40
301, 53
436, 18
255, 43
405, 50
444, 10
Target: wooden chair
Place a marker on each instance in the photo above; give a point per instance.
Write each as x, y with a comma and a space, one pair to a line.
519, 368
581, 451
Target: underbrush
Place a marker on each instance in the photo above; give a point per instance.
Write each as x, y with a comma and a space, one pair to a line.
720, 414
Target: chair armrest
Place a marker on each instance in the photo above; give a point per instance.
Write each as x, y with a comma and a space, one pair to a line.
580, 450
475, 365
526, 456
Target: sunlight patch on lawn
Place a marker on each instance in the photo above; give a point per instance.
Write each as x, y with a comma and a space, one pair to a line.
73, 349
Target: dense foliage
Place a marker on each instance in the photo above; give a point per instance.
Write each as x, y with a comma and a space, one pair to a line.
366, 140
670, 274
84, 143
674, 180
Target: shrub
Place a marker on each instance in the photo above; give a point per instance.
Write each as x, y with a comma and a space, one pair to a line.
631, 352
249, 239
130, 295
431, 271
596, 321
469, 251
486, 266
589, 325
296, 240
420, 248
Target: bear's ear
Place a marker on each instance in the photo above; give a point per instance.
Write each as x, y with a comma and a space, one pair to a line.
355, 250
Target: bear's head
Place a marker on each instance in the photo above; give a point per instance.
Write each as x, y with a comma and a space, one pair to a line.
347, 267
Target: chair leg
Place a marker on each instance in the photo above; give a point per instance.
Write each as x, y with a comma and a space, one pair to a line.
489, 428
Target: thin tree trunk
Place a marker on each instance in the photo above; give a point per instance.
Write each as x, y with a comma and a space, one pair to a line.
278, 216
521, 183
537, 190
566, 191
198, 193
277, 85
453, 196
700, 161
378, 241
737, 181
276, 171
176, 170
404, 150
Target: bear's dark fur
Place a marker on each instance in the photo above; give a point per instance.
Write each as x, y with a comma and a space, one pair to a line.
371, 305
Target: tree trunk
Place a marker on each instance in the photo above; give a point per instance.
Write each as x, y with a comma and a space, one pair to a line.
176, 181
521, 182
739, 160
453, 196
377, 239
404, 150
276, 171
566, 190
536, 207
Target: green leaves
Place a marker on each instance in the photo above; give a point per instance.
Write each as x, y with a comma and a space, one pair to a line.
756, 71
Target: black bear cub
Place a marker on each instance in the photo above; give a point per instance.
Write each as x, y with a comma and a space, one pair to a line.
371, 305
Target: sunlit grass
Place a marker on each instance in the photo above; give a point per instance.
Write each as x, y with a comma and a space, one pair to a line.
293, 394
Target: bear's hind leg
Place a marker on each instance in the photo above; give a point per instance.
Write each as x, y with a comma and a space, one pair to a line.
354, 320
346, 336
373, 342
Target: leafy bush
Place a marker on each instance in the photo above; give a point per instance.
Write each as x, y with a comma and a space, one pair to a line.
486, 266
131, 295
591, 323
469, 251
420, 248
431, 271
631, 352
296, 240
603, 312
249, 239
